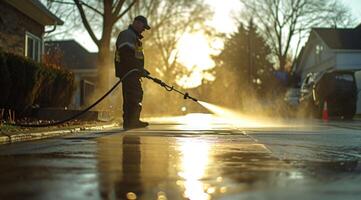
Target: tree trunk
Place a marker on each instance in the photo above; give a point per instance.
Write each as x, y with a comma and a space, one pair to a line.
282, 60
105, 62
104, 65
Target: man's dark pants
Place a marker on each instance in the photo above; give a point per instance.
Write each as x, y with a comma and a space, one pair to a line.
132, 98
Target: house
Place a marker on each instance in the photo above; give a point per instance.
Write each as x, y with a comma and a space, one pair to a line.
75, 58
330, 49
22, 27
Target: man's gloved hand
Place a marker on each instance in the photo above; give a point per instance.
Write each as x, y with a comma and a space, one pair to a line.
144, 73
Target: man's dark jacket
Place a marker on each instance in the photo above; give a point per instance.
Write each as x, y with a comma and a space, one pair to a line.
129, 52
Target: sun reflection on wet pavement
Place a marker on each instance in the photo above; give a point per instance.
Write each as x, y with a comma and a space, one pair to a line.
187, 167
194, 160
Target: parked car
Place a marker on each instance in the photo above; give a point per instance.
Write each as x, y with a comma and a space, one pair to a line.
337, 88
291, 102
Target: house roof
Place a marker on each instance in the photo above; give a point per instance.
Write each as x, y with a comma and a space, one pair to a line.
37, 11
336, 38
74, 56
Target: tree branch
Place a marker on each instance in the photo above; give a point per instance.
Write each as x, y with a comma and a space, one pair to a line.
86, 23
117, 7
125, 11
91, 8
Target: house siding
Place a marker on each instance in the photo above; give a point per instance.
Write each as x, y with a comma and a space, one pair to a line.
13, 26
326, 61
82, 63
349, 60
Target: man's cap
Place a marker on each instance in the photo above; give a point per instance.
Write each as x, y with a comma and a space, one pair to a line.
143, 20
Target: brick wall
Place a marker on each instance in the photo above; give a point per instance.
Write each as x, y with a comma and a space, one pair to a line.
13, 25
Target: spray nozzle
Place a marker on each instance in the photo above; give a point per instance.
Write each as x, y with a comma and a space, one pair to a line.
186, 95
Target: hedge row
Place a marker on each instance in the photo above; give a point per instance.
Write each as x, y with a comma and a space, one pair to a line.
25, 83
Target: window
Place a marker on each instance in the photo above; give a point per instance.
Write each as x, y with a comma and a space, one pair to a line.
32, 47
86, 90
319, 49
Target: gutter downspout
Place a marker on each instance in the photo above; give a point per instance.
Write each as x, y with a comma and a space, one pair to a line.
52, 30
42, 38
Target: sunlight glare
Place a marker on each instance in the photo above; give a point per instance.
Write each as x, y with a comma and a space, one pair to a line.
194, 161
194, 51
224, 14
195, 54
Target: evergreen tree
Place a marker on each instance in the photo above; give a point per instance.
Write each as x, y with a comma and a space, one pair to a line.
243, 68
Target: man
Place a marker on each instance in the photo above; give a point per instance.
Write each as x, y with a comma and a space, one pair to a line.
129, 67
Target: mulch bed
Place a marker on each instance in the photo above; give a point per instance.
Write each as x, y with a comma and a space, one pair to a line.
7, 128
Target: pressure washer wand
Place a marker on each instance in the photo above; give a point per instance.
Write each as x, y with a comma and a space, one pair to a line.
170, 88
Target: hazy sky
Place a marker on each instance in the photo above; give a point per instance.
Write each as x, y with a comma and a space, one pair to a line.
224, 11
223, 21
355, 6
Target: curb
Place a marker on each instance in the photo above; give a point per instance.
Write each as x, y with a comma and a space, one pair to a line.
5, 139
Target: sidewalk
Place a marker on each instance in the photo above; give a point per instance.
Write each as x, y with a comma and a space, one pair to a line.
11, 134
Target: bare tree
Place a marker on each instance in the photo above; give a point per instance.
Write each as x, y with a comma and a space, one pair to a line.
99, 18
104, 19
281, 21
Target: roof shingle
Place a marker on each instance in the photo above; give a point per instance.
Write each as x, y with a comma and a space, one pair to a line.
337, 38
74, 56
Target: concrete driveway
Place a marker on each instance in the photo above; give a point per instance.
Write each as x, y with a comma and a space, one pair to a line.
190, 157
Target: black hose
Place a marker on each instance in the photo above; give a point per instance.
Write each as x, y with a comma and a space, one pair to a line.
167, 87
72, 117
80, 113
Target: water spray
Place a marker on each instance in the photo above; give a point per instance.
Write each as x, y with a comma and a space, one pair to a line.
171, 88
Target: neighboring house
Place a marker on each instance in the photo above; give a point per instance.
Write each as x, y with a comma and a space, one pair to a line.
330, 49
82, 63
22, 27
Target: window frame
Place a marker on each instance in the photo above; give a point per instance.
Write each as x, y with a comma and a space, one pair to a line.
318, 51
36, 46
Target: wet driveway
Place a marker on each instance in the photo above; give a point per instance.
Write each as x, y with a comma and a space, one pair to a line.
189, 161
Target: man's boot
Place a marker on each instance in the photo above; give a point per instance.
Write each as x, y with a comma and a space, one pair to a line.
127, 125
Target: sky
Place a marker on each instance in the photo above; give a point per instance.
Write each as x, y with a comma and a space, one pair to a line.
355, 6
223, 18
222, 21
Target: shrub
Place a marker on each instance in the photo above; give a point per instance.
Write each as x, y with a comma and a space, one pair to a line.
58, 89
32, 83
5, 81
